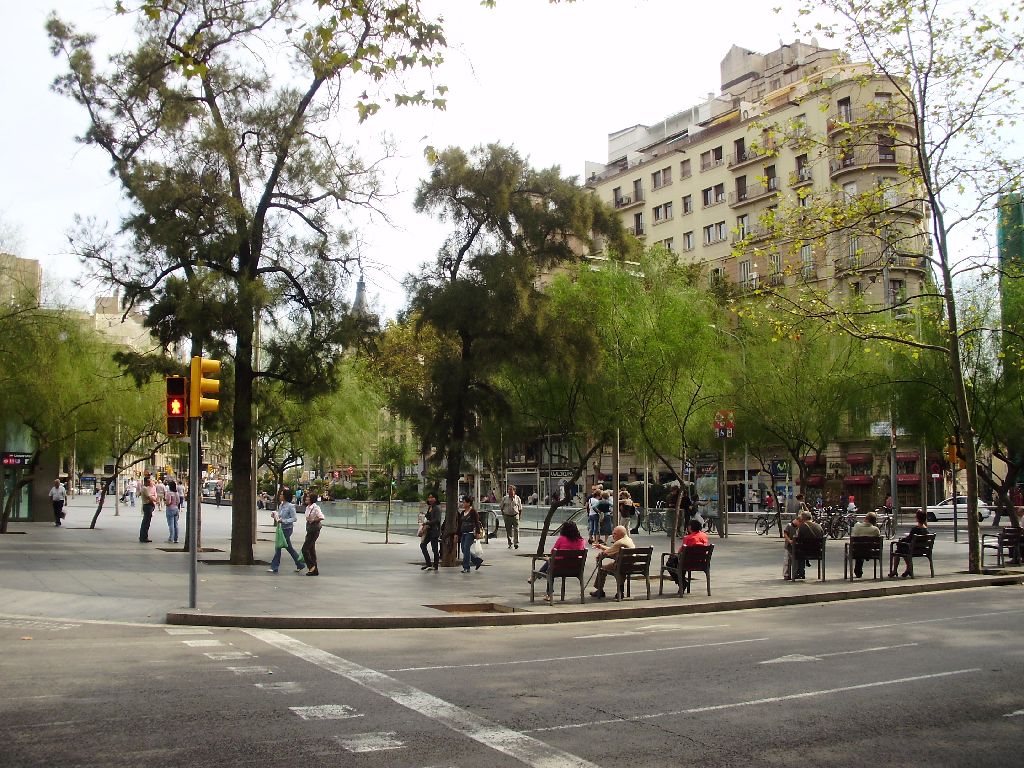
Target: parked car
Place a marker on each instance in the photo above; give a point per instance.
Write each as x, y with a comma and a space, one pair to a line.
944, 509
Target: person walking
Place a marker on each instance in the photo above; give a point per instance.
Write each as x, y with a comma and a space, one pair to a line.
314, 522
148, 507
431, 532
286, 517
130, 488
593, 516
604, 511
469, 528
57, 497
161, 494
172, 509
511, 511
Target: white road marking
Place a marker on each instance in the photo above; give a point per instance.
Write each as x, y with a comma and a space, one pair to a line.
519, 746
229, 655
650, 629
202, 643
575, 658
326, 712
187, 631
757, 702
252, 670
37, 624
282, 687
820, 656
1014, 714
371, 742
947, 618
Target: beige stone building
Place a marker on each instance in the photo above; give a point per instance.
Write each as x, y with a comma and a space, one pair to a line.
20, 279
798, 128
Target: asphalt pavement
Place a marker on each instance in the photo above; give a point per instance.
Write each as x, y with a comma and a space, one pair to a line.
76, 573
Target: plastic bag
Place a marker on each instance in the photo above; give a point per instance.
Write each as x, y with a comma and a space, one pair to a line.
279, 538
476, 549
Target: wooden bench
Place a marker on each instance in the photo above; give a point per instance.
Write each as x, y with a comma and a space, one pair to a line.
1006, 543
693, 558
809, 549
915, 545
562, 564
632, 564
863, 548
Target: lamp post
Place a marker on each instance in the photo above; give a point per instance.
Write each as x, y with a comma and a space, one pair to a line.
746, 471
890, 304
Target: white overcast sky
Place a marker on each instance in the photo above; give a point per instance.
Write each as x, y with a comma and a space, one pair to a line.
551, 80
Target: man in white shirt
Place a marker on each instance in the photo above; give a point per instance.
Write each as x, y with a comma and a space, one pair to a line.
620, 540
57, 496
511, 510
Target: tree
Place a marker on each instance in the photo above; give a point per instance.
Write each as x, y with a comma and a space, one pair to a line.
510, 224
953, 71
393, 455
234, 170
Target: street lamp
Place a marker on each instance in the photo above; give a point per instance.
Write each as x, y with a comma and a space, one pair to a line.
746, 471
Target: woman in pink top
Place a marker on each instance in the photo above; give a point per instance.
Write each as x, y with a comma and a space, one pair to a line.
570, 538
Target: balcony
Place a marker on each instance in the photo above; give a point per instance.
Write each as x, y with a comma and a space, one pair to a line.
862, 158
809, 272
849, 263
714, 162
739, 159
638, 231
866, 115
776, 279
801, 176
754, 192
624, 202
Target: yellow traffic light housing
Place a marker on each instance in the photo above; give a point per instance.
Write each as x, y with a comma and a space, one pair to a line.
199, 405
177, 406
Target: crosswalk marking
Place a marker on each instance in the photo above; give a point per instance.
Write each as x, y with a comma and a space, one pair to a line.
229, 655
187, 631
202, 643
252, 670
371, 742
326, 712
282, 687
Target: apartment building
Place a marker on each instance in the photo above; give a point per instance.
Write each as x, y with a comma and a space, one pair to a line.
797, 175
738, 182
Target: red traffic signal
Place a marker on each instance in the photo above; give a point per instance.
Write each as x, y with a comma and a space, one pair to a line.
177, 406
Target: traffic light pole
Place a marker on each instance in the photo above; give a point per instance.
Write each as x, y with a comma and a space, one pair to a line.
194, 498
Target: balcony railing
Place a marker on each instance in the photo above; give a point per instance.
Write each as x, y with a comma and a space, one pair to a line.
754, 192
867, 114
862, 157
737, 159
627, 201
714, 162
801, 176
638, 230
776, 279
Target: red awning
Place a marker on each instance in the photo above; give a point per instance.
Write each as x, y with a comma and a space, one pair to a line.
814, 461
909, 456
908, 479
814, 481
858, 480
858, 458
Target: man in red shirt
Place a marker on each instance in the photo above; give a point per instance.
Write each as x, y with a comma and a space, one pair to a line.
696, 536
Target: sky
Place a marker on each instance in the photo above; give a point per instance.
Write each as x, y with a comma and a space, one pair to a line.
551, 80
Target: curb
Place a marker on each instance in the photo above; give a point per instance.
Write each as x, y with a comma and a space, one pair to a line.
528, 617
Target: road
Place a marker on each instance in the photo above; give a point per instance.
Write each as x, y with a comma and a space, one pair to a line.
934, 679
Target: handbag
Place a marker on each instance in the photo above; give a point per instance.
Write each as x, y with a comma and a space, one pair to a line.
422, 530
478, 534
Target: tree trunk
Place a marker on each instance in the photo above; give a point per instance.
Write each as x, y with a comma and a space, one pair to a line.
103, 496
241, 445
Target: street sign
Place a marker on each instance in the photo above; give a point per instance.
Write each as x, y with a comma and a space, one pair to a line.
779, 467
15, 459
724, 423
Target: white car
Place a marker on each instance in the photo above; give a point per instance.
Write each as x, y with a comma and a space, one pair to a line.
944, 509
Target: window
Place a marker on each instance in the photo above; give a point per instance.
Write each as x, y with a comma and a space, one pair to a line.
745, 272
803, 199
688, 241
850, 190
662, 212
668, 244
709, 234
740, 150
617, 196
720, 193
742, 226
886, 148
638, 190
771, 180
845, 110
806, 255
684, 169
888, 186
897, 292
741, 188
661, 178
715, 232
803, 170
800, 126
707, 198
775, 262
687, 204
716, 275
853, 251
638, 223
711, 159
856, 289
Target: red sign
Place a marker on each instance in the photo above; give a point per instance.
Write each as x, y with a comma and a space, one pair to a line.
724, 423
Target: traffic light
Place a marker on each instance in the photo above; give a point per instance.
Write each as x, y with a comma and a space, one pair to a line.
199, 405
953, 453
177, 406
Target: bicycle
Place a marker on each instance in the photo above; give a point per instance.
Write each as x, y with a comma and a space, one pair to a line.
654, 519
765, 522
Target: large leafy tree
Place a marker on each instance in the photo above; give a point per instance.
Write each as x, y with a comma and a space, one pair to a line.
510, 223
954, 70
230, 156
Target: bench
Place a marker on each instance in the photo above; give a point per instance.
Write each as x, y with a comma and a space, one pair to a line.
631, 564
863, 548
690, 559
810, 549
562, 564
1006, 543
915, 545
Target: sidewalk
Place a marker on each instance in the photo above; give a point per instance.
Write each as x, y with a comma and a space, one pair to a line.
105, 574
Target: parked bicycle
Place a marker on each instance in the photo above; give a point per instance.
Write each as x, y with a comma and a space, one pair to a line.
654, 518
765, 522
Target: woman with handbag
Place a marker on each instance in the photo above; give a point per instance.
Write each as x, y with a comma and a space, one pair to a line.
285, 517
314, 522
470, 529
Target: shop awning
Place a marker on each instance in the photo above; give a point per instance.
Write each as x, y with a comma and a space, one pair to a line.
858, 458
858, 480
